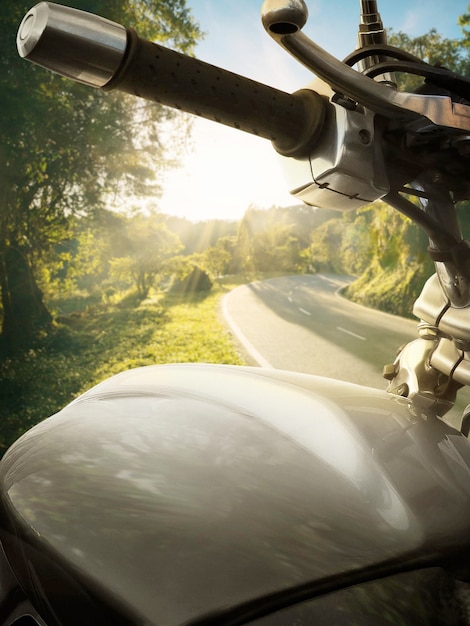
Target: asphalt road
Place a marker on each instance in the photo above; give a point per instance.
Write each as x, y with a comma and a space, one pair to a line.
301, 323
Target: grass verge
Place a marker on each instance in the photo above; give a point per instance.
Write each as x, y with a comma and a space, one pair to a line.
91, 345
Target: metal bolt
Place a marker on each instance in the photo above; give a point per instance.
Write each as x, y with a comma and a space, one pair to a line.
389, 371
364, 136
427, 330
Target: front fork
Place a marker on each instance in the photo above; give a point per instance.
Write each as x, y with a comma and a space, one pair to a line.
431, 369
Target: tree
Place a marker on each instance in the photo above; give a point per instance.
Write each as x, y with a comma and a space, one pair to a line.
272, 240
150, 243
215, 260
325, 247
64, 147
198, 236
434, 49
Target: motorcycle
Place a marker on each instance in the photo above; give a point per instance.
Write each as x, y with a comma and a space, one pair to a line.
212, 494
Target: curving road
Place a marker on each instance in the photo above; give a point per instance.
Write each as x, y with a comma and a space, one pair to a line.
301, 323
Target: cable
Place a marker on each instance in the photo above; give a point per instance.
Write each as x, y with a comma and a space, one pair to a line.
438, 76
381, 50
408, 63
430, 226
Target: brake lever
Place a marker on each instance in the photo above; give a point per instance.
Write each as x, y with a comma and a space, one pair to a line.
283, 21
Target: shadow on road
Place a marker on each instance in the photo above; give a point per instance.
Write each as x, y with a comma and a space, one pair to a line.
324, 314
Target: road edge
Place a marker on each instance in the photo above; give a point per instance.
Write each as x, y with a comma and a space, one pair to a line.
241, 338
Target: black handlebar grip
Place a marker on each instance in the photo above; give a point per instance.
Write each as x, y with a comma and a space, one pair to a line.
97, 52
291, 121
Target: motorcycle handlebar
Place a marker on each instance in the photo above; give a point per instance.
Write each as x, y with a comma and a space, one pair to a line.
103, 54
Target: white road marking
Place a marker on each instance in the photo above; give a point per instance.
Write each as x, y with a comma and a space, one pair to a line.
290, 299
349, 332
249, 347
304, 311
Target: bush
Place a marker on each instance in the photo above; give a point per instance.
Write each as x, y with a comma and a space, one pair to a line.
196, 281
391, 290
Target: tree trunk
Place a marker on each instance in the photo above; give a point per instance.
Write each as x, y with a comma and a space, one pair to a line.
24, 312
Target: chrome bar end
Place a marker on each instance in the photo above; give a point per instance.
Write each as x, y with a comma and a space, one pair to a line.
73, 43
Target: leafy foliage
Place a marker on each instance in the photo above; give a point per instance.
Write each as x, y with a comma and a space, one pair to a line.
434, 49
216, 260
64, 146
92, 343
197, 237
196, 281
272, 240
384, 249
149, 244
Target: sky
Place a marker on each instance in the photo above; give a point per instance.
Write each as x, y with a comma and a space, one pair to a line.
223, 171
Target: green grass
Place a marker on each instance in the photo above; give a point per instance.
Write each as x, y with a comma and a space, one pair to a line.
95, 343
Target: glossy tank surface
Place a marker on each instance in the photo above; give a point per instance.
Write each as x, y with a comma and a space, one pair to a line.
184, 491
